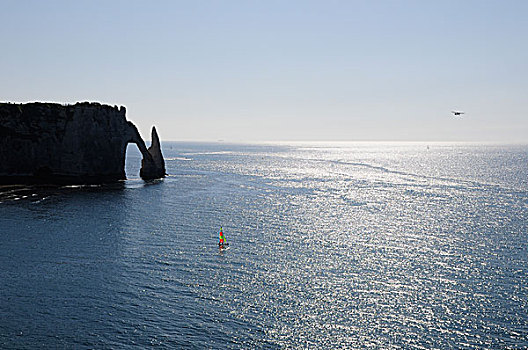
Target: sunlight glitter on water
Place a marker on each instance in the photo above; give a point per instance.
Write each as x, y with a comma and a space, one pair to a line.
332, 246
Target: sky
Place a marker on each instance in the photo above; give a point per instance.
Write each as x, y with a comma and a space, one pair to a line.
289, 70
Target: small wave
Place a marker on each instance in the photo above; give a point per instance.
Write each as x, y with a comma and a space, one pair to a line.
15, 193
209, 153
178, 158
81, 186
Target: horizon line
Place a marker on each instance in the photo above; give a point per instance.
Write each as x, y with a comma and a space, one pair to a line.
514, 142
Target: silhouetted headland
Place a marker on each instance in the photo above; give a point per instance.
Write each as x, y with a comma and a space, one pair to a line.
83, 143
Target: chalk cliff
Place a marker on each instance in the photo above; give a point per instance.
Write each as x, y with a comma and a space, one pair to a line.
80, 143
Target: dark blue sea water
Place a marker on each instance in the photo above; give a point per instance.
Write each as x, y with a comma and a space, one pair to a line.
351, 245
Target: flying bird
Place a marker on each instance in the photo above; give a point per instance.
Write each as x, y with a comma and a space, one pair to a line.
457, 113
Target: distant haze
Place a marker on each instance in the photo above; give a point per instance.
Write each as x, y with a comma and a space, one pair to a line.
279, 70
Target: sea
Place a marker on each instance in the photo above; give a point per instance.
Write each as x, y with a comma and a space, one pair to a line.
358, 245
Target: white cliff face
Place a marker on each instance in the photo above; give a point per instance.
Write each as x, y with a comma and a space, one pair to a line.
81, 143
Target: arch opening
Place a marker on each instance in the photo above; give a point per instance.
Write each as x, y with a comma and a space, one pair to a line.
133, 159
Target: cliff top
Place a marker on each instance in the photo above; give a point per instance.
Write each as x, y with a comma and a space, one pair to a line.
62, 105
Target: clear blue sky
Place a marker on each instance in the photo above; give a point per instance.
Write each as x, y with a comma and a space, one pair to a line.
278, 70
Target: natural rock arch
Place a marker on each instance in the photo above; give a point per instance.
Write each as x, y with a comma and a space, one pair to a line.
152, 164
80, 143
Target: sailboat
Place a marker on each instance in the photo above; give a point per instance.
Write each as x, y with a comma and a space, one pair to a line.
222, 241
